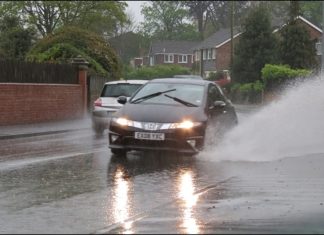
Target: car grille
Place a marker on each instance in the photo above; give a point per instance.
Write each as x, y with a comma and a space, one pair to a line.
168, 143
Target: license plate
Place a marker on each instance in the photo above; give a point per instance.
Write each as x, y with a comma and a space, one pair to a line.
149, 136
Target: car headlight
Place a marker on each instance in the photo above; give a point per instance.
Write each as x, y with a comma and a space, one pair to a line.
123, 121
187, 124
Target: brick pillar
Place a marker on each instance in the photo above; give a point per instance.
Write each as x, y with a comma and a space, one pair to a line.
82, 65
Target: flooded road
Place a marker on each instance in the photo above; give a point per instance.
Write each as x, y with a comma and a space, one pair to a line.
70, 183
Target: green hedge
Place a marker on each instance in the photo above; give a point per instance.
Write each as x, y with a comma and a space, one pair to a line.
274, 76
214, 76
247, 92
157, 71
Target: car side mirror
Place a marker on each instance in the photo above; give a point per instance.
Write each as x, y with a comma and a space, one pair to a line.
122, 99
219, 104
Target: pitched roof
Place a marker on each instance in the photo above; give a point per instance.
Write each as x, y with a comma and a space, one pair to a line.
222, 36
168, 46
305, 21
217, 38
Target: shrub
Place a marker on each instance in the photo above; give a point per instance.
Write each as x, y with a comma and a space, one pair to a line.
247, 92
70, 42
216, 76
275, 76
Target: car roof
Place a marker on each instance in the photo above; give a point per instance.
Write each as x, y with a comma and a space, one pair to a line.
127, 81
181, 81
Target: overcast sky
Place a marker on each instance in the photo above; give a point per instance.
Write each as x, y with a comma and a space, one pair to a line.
134, 7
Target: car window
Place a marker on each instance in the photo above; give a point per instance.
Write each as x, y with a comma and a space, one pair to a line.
214, 94
188, 92
116, 90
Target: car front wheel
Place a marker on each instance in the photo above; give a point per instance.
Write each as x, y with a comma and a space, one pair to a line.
118, 152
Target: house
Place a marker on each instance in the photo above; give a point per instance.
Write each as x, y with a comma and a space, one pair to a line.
215, 51
315, 33
171, 52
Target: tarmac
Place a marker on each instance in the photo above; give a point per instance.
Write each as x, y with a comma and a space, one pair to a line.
43, 128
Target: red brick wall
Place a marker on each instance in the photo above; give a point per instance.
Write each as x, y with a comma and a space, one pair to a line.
223, 55
313, 33
33, 103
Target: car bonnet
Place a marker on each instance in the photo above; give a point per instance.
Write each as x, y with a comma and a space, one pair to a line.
161, 113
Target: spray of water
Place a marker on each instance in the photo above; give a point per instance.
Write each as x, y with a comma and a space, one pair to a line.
291, 126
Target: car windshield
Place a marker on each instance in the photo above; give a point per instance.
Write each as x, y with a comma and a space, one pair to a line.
187, 92
119, 89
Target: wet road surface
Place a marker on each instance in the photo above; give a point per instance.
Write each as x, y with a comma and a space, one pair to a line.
70, 183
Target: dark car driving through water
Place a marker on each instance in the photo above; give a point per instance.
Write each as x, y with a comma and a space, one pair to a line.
170, 114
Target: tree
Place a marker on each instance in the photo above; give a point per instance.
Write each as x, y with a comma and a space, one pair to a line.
294, 10
296, 48
220, 12
70, 42
15, 40
255, 48
199, 10
98, 16
126, 50
167, 20
312, 10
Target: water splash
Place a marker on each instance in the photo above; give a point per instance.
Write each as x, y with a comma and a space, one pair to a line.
291, 126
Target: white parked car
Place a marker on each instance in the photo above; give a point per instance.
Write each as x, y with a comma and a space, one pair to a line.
107, 103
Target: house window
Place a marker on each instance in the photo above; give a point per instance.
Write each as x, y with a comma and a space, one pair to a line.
197, 56
318, 48
204, 54
168, 58
183, 58
210, 54
214, 54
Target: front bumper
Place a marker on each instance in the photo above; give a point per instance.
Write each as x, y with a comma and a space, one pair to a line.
178, 140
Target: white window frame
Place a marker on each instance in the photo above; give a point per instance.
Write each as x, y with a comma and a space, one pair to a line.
168, 58
209, 54
318, 47
197, 55
214, 53
184, 59
204, 54
151, 61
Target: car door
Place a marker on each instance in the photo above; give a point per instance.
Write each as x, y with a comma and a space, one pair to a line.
220, 111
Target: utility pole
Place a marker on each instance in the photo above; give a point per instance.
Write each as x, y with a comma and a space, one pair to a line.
322, 44
232, 26
201, 63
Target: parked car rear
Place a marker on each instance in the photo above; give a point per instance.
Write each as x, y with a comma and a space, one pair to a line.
107, 103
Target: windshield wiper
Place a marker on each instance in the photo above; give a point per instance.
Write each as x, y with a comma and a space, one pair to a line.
181, 101
150, 96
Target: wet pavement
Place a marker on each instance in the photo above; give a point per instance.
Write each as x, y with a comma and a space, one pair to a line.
43, 128
68, 182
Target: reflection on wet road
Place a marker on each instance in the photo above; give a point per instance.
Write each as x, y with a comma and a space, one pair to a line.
189, 200
121, 201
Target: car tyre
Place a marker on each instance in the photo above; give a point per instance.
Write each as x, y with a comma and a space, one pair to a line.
118, 152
